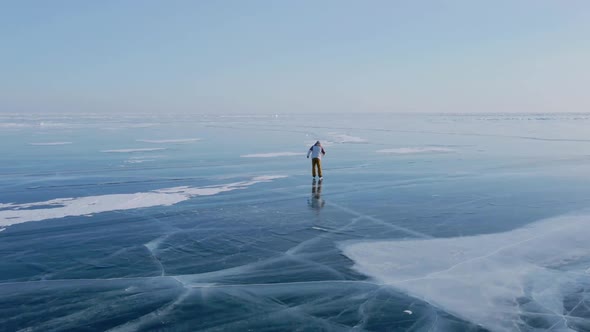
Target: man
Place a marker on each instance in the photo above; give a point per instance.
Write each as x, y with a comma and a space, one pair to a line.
316, 151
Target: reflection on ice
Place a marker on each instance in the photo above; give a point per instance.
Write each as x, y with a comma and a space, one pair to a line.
501, 281
315, 201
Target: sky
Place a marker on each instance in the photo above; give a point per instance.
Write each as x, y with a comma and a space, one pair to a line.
304, 56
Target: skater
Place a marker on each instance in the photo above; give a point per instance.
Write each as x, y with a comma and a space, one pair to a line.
316, 151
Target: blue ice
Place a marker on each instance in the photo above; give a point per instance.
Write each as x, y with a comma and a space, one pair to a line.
206, 222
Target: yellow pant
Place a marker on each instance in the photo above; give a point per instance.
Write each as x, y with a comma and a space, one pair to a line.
316, 162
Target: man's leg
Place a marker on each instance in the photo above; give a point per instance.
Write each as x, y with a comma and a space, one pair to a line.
313, 164
319, 163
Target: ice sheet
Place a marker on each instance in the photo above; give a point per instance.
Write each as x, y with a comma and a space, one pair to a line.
495, 280
139, 248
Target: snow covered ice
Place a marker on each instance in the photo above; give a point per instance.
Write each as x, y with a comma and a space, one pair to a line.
204, 222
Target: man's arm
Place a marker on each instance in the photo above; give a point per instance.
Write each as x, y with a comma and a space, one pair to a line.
309, 152
323, 151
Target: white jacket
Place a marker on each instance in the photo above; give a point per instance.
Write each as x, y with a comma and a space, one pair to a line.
316, 151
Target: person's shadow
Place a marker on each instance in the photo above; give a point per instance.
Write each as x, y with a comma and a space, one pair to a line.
316, 201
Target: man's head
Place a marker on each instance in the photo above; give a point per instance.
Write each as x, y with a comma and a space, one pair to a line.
317, 143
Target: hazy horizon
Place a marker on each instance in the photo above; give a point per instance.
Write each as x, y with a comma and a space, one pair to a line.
259, 57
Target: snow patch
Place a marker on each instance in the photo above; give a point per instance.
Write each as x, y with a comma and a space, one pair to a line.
51, 143
142, 125
418, 150
343, 138
138, 161
163, 141
79, 206
273, 154
14, 125
132, 150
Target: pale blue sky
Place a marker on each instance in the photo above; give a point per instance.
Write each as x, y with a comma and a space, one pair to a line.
294, 56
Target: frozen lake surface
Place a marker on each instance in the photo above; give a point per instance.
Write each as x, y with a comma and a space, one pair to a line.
190, 223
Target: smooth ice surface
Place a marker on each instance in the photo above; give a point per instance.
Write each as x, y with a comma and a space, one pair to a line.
422, 223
